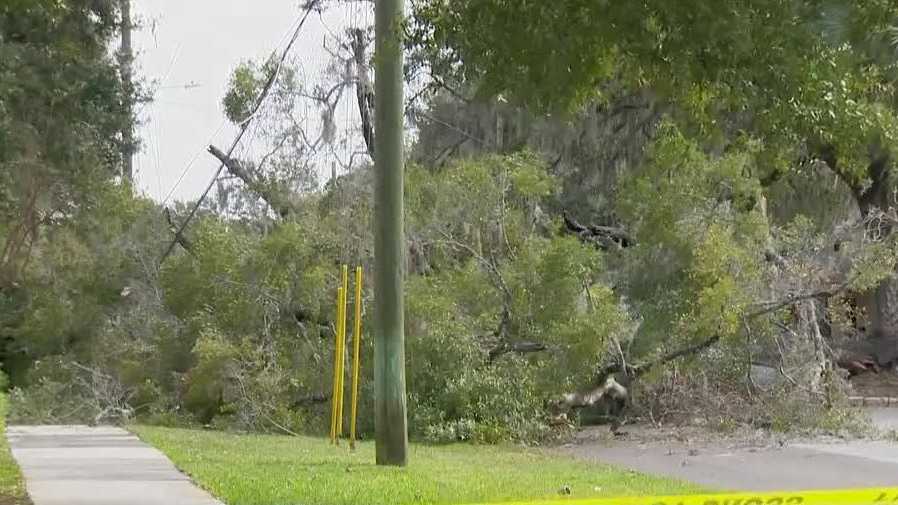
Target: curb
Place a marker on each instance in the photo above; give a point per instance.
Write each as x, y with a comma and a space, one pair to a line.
873, 401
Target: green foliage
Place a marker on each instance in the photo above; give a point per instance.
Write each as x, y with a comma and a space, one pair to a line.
486, 250
60, 116
699, 221
786, 71
247, 82
236, 333
12, 485
52, 396
243, 89
207, 379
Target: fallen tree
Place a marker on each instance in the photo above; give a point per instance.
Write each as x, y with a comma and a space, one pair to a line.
603, 237
280, 201
613, 380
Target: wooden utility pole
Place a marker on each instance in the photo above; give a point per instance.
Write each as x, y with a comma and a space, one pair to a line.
126, 61
391, 430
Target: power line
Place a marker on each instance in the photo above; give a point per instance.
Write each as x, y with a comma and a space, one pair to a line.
455, 128
158, 155
244, 125
193, 85
190, 163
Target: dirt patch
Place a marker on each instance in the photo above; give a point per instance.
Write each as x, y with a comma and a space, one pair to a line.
700, 435
882, 384
13, 500
690, 435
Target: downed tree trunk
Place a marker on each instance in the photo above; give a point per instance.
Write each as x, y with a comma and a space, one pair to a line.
856, 364
610, 389
603, 237
279, 201
817, 369
519, 347
814, 341
635, 371
312, 399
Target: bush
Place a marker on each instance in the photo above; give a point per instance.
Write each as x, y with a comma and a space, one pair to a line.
62, 391
49, 402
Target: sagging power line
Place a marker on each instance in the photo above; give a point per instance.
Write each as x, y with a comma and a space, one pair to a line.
308, 8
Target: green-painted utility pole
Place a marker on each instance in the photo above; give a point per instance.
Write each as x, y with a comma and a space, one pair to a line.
389, 318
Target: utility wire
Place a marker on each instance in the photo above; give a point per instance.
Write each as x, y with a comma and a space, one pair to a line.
192, 85
190, 163
244, 125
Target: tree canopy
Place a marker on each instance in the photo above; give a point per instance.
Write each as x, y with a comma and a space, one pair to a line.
797, 75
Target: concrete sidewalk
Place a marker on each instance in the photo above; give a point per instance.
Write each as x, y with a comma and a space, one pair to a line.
79, 465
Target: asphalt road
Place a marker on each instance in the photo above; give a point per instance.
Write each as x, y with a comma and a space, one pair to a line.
790, 466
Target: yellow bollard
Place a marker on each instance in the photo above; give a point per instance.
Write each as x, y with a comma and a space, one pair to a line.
334, 394
342, 361
357, 339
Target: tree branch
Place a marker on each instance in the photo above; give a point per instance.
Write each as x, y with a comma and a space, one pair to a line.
774, 305
364, 90
603, 237
524, 347
179, 236
279, 202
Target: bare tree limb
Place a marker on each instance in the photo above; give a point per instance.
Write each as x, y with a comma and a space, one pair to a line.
689, 350
311, 399
604, 237
490, 265
179, 236
502, 331
524, 347
364, 90
280, 202
774, 305
579, 400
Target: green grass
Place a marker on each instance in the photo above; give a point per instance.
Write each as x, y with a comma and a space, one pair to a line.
279, 470
12, 486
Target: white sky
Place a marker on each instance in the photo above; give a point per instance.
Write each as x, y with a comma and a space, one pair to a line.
201, 41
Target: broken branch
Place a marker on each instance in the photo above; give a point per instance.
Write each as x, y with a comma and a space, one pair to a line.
278, 201
603, 237
179, 236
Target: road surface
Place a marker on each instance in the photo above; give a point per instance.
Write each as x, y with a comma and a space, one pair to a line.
786, 466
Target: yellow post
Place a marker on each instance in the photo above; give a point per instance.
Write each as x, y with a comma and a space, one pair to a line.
342, 361
334, 395
357, 339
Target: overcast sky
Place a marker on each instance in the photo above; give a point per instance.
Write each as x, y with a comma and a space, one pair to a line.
183, 42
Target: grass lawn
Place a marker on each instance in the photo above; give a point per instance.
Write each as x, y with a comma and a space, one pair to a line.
280, 470
12, 487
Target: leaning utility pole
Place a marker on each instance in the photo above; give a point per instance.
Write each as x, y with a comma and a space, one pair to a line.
126, 60
391, 431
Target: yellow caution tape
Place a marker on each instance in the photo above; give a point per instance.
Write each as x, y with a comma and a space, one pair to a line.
876, 496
